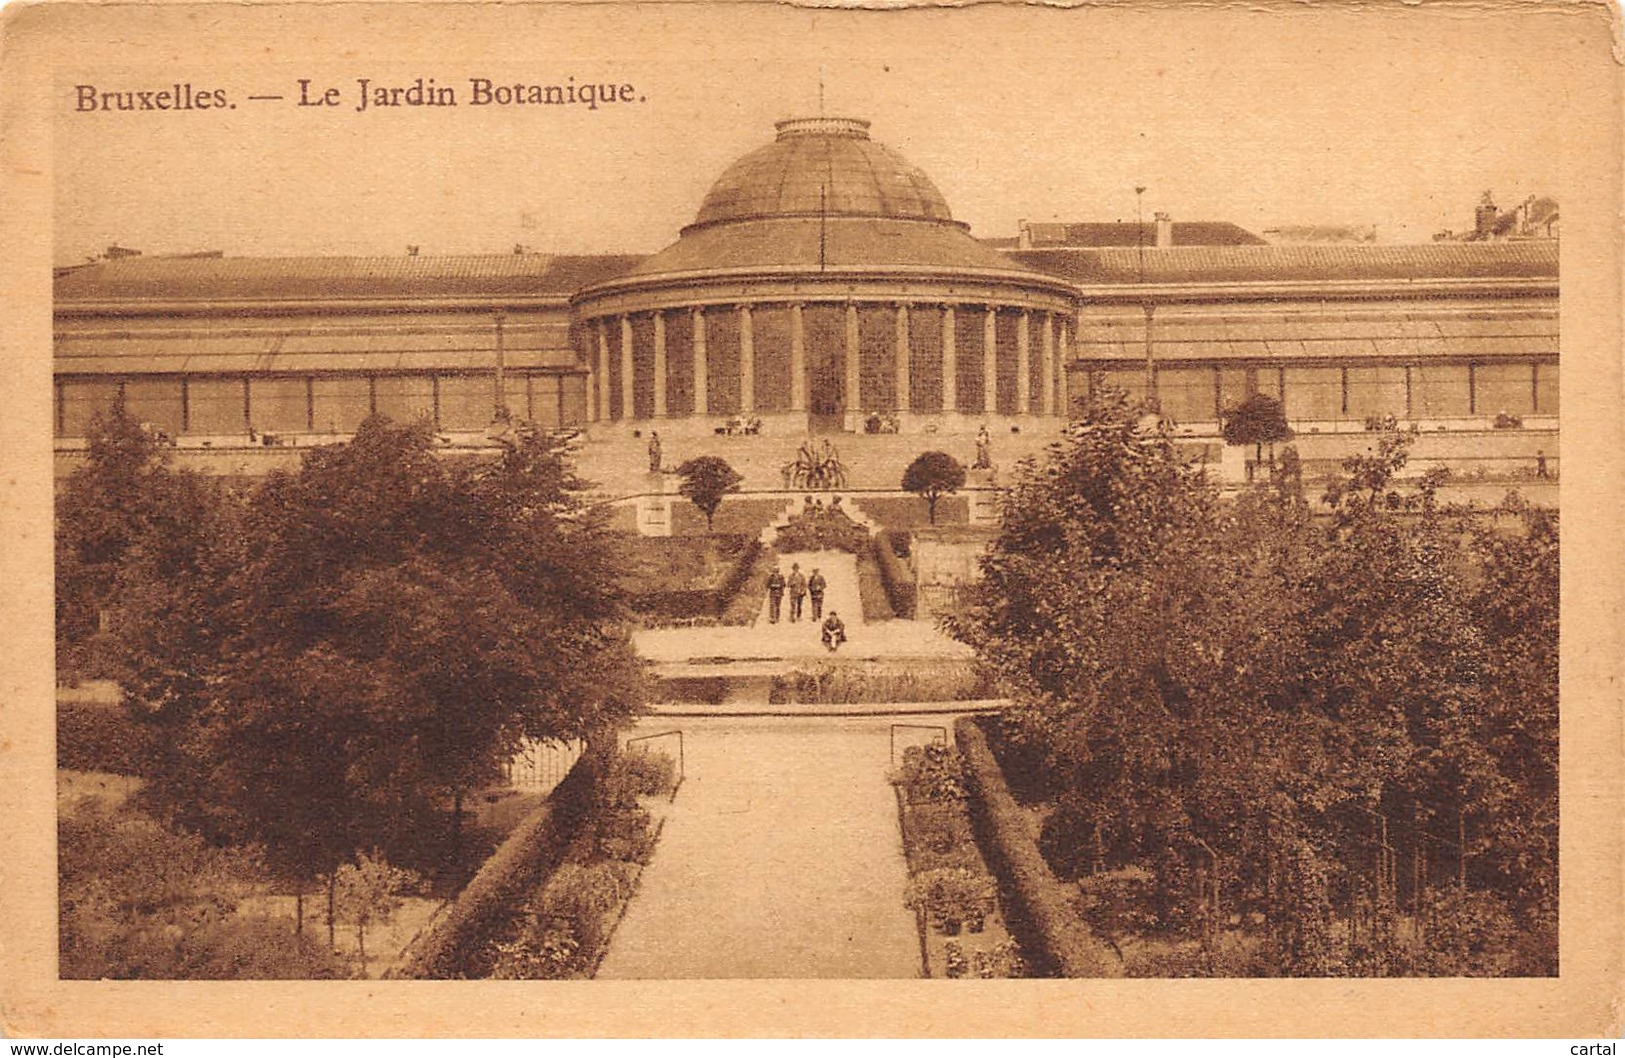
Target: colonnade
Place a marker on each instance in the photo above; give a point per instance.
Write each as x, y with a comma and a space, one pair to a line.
1053, 330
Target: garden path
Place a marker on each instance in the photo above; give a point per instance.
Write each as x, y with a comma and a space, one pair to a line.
763, 639
780, 858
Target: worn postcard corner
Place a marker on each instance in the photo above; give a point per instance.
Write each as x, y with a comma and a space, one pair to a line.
647, 519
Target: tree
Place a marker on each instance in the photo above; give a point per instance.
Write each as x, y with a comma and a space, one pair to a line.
368, 638
1202, 682
123, 498
931, 476
1256, 421
367, 891
705, 480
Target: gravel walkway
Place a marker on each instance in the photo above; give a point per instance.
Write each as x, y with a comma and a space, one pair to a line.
780, 858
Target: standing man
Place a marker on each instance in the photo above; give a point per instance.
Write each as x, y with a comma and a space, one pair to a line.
775, 595
798, 590
654, 452
815, 588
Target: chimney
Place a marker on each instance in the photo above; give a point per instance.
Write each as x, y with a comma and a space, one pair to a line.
1165, 230
1024, 235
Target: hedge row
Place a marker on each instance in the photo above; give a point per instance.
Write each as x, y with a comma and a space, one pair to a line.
895, 577
516, 867
1040, 906
911, 512
93, 736
741, 598
872, 592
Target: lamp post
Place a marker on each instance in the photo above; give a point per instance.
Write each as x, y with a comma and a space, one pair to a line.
1139, 241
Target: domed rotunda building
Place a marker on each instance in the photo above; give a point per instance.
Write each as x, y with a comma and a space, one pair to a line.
825, 285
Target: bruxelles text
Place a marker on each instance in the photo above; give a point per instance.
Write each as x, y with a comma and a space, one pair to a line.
367, 94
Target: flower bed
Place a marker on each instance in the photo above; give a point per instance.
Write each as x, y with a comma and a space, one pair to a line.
870, 682
819, 528
953, 896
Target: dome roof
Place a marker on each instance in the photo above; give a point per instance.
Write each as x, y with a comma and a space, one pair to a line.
822, 166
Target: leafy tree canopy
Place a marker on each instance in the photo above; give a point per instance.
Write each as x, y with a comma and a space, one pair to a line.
1258, 420
705, 481
365, 639
1189, 673
933, 475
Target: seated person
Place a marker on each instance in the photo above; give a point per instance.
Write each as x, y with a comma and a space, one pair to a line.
834, 631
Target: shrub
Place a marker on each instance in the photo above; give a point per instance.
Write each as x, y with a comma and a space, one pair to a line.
933, 772
1468, 934
542, 949
739, 607
951, 898
939, 835
624, 834
92, 736
581, 898
640, 773
1002, 960
1118, 902
946, 681
954, 961
896, 578
821, 529
1067, 839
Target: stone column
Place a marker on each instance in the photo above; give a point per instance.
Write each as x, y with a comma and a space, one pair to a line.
747, 363
798, 360
628, 408
603, 369
701, 395
950, 362
1063, 366
1046, 365
589, 355
901, 358
660, 365
1024, 363
854, 403
990, 372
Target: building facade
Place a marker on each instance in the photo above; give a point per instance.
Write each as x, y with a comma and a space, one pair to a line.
825, 287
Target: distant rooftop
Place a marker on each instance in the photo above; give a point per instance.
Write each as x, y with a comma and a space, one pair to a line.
204, 279
1309, 263
1090, 234
290, 278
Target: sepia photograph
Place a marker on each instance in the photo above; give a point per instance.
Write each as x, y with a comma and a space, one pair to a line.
752, 493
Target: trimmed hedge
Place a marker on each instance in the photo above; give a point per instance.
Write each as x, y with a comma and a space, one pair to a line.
678, 579
748, 586
1040, 906
872, 588
739, 575
895, 577
529, 853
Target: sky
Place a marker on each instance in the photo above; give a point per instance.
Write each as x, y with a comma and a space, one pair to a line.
1394, 117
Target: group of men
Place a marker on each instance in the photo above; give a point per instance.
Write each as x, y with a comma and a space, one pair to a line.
802, 588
